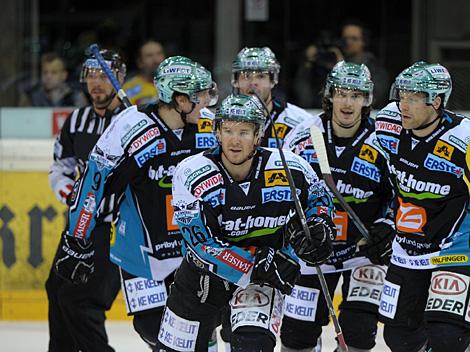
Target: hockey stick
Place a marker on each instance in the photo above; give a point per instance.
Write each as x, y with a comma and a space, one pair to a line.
303, 220
322, 156
95, 50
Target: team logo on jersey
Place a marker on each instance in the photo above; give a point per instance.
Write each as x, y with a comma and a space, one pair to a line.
443, 149
204, 125
410, 217
433, 162
205, 140
365, 169
368, 153
275, 178
185, 212
103, 159
281, 130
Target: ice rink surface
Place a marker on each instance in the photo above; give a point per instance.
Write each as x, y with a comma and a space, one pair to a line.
33, 337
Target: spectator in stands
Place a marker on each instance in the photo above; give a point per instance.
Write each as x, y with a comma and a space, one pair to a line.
53, 90
356, 39
140, 89
318, 60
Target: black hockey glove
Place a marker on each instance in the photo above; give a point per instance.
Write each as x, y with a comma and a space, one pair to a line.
318, 249
275, 269
378, 248
74, 260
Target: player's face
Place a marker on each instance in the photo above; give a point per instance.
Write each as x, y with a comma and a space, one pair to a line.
347, 106
100, 88
414, 111
238, 140
258, 81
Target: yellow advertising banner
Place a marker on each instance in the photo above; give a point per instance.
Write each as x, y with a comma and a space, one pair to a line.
31, 221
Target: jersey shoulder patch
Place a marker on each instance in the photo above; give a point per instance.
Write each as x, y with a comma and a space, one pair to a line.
459, 136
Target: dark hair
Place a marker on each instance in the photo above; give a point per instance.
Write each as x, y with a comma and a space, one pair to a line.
357, 23
51, 56
327, 107
145, 42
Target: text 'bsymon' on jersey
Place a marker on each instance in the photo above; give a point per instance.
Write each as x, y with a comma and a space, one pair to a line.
408, 185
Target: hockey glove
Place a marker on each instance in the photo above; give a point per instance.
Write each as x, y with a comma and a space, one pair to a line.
378, 248
318, 248
74, 260
275, 269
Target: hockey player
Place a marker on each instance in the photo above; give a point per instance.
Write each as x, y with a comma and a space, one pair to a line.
232, 204
76, 313
133, 164
256, 70
424, 302
361, 176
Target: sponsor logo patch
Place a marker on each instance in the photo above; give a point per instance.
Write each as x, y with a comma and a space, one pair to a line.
436, 163
276, 194
449, 259
275, 178
368, 154
204, 125
143, 139
365, 169
389, 143
443, 149
388, 127
155, 148
281, 130
205, 140
205, 185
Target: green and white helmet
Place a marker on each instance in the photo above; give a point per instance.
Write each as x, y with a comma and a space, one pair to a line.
241, 108
256, 59
183, 75
350, 76
423, 77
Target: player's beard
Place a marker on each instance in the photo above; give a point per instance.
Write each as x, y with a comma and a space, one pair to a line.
103, 102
